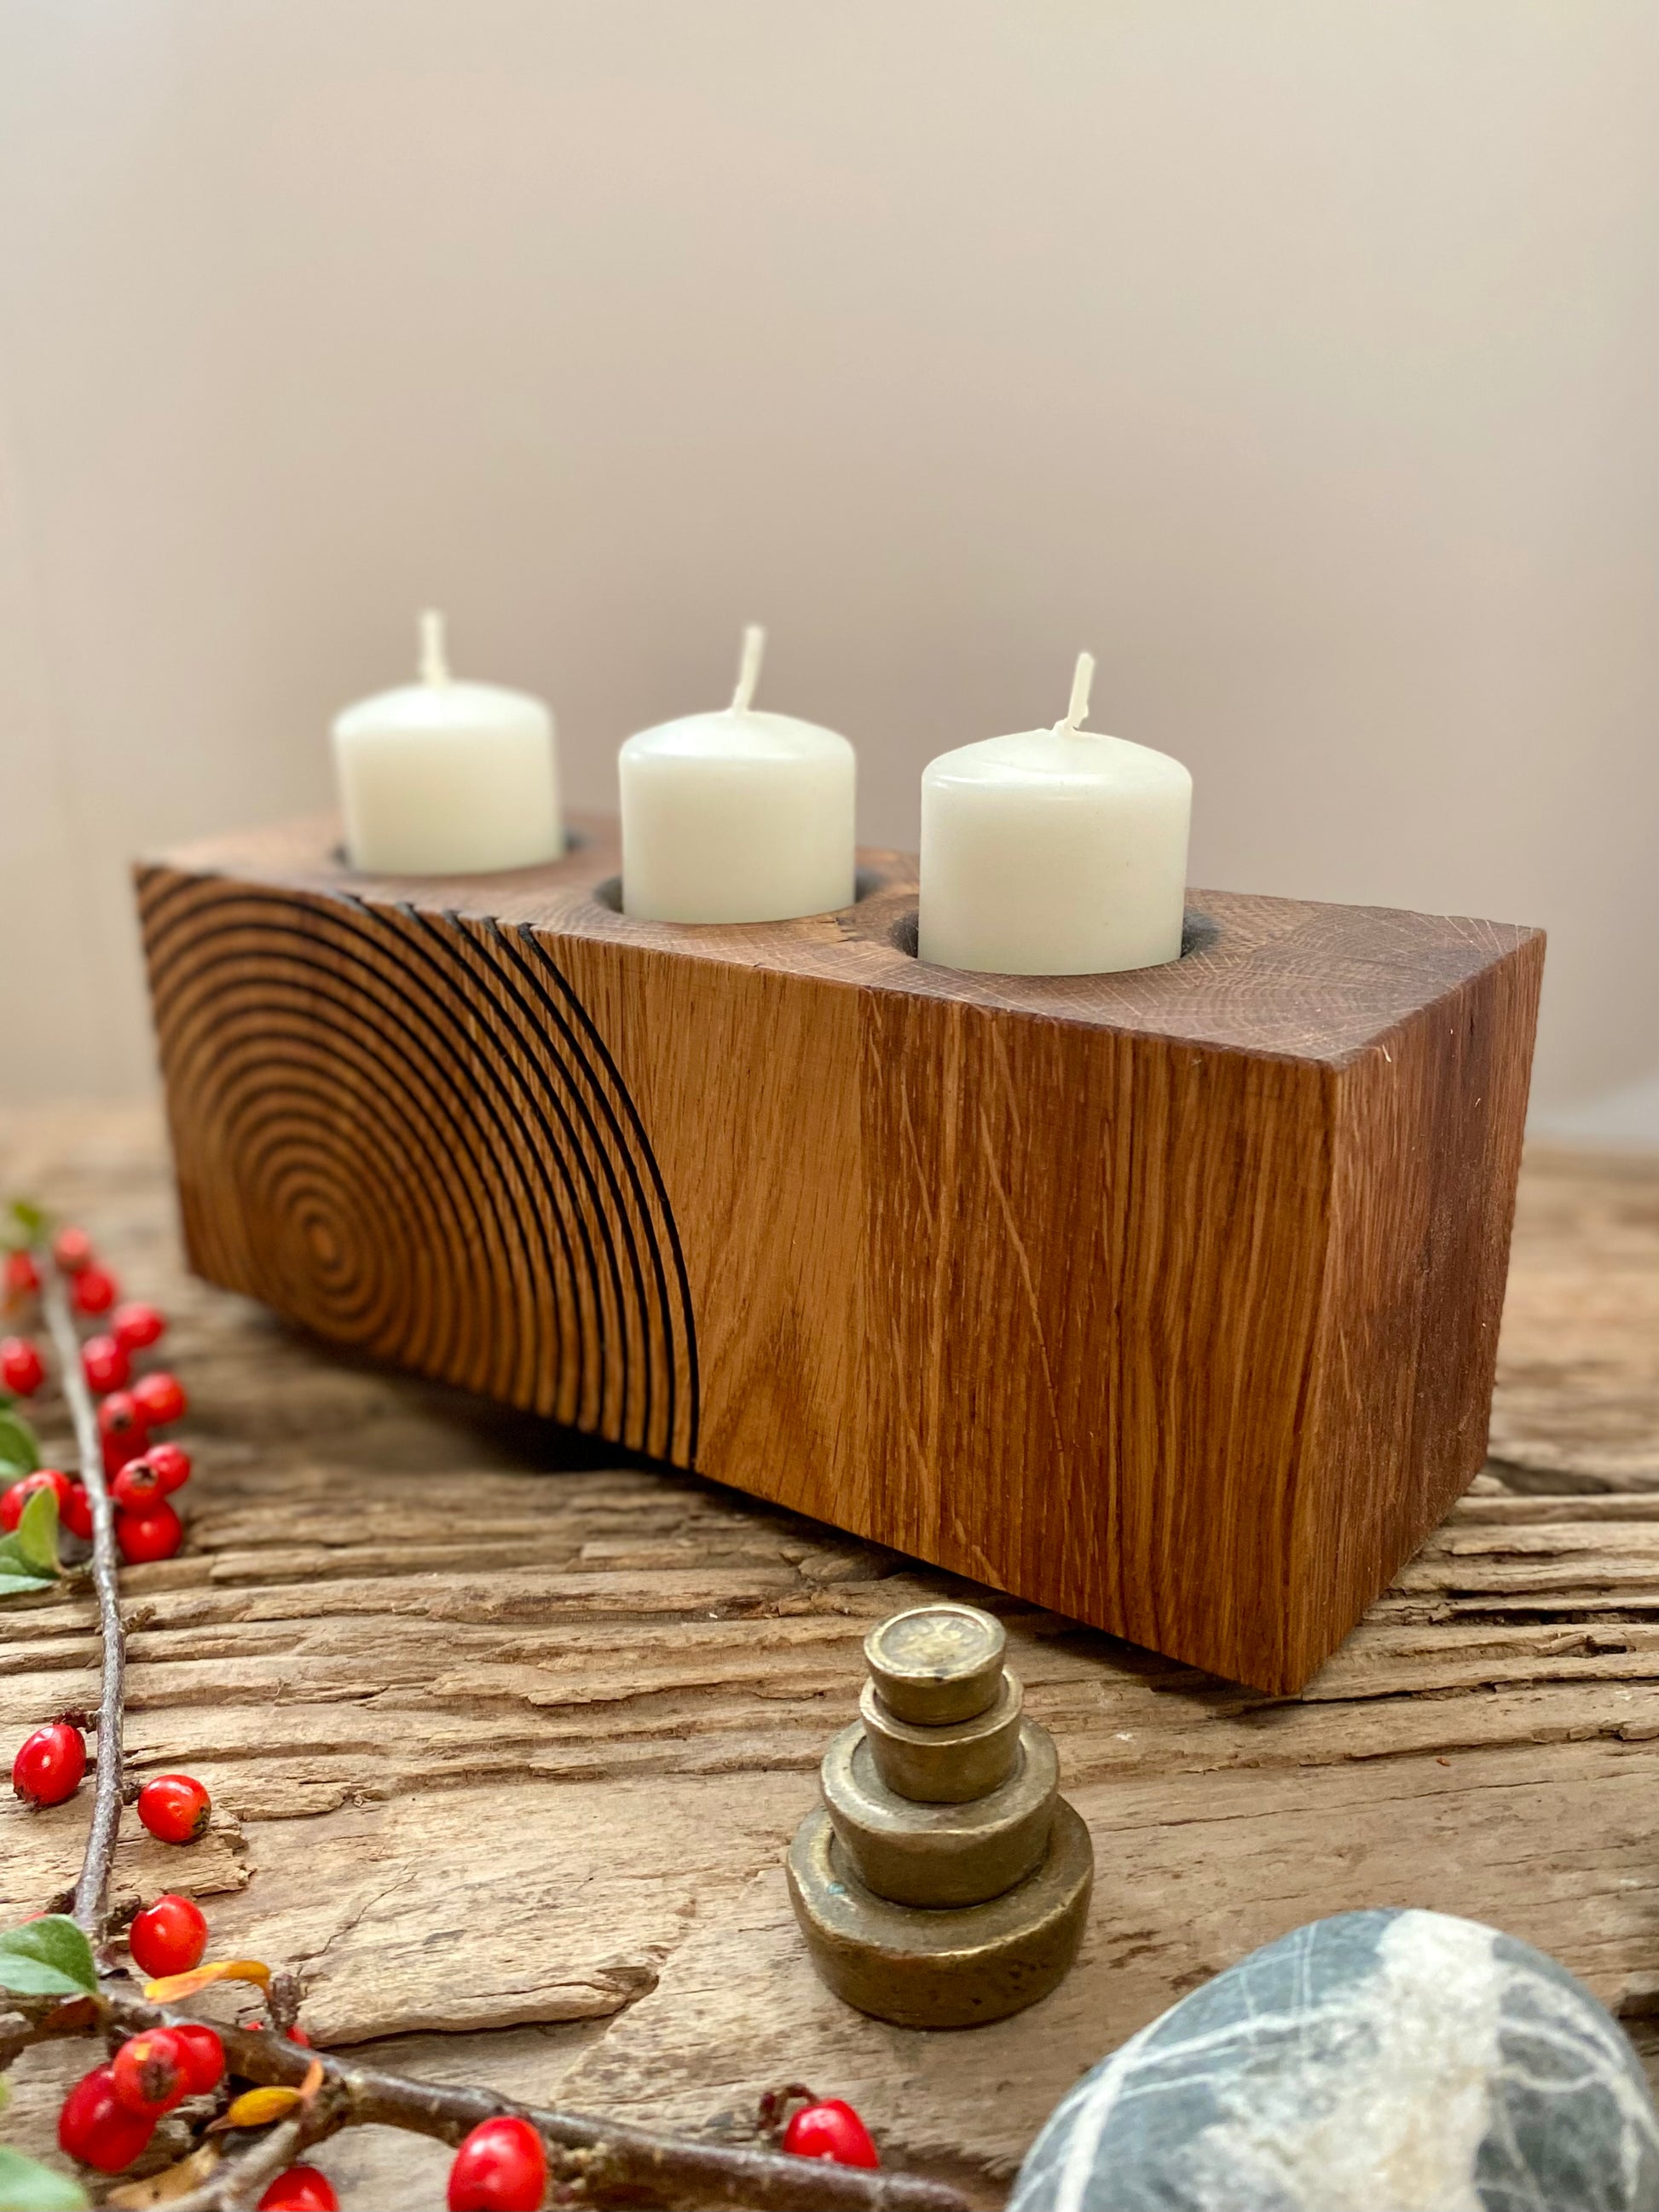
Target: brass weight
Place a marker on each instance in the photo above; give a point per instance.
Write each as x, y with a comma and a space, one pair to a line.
939, 1854
950, 1765
944, 1881
937, 1663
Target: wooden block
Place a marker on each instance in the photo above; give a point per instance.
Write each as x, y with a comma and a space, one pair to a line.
1167, 1299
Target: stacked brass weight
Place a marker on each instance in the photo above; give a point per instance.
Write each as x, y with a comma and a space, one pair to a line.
944, 1881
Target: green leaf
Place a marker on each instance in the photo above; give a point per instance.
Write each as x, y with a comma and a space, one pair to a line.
27, 2186
17, 1441
18, 1574
30, 1219
14, 1585
48, 1958
37, 1530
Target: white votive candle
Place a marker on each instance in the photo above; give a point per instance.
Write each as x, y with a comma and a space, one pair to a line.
740, 815
1054, 852
445, 778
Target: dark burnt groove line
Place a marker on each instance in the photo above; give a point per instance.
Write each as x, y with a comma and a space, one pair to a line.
525, 936
632, 1144
543, 1094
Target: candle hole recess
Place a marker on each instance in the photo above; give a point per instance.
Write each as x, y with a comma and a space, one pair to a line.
575, 841
867, 881
1198, 934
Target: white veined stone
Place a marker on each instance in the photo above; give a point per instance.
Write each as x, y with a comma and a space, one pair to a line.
1378, 2062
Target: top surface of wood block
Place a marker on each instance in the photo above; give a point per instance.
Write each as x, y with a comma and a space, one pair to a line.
1285, 977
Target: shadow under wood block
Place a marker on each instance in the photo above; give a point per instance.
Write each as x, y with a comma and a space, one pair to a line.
1167, 1299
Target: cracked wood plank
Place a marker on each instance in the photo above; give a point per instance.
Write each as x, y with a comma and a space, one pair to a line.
511, 1750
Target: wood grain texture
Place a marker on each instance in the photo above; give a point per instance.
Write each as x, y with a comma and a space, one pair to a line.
1167, 1299
514, 1752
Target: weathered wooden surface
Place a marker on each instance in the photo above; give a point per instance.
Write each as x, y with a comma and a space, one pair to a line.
517, 1751
1231, 1231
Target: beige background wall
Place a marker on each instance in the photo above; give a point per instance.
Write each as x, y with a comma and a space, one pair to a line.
1297, 355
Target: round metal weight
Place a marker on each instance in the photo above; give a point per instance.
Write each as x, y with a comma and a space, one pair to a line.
945, 1765
954, 1969
937, 1663
940, 1855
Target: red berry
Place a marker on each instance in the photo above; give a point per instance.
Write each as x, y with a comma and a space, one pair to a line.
138, 1487
18, 1494
72, 1249
117, 1450
500, 2168
92, 1291
204, 2056
171, 1462
118, 1415
138, 1327
21, 1368
22, 1276
160, 1398
301, 2188
49, 1764
151, 2072
75, 1511
153, 1534
832, 2130
122, 1428
96, 2127
105, 1364
176, 1809
168, 1937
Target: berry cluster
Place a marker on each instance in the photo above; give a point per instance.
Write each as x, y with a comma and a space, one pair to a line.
109, 2116
140, 1469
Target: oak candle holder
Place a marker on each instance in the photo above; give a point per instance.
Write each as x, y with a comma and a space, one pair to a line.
1167, 1299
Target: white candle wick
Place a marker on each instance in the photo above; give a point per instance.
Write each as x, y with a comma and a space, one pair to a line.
749, 668
1082, 677
434, 662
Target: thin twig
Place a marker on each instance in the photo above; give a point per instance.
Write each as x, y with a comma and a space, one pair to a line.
91, 1909
235, 2184
594, 2162
606, 2161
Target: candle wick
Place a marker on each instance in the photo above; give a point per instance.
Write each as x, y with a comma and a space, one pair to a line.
749, 668
435, 665
1082, 677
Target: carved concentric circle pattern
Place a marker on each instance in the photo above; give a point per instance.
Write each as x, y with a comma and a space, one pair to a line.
405, 1131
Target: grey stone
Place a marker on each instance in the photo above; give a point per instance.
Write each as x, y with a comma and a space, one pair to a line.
1378, 2062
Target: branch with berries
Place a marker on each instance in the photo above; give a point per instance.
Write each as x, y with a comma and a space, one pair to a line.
212, 2118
